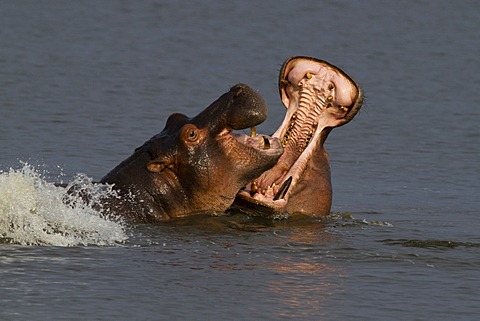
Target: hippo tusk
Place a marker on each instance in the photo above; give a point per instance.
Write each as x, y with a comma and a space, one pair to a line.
266, 143
283, 190
253, 131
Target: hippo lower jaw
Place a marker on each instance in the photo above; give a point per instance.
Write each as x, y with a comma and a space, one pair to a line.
318, 97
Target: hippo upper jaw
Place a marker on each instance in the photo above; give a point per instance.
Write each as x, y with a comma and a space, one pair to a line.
318, 97
239, 109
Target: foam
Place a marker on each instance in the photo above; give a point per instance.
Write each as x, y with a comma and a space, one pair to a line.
36, 212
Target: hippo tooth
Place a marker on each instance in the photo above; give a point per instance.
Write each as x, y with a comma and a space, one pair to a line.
254, 188
343, 108
266, 143
283, 190
253, 131
308, 75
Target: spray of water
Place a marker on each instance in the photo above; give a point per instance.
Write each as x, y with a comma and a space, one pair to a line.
36, 212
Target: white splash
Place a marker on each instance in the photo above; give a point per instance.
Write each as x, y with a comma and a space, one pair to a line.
36, 212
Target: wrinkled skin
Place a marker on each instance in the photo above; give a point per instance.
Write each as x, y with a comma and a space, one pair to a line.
318, 97
196, 164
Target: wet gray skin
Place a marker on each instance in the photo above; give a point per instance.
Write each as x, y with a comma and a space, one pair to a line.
318, 97
197, 164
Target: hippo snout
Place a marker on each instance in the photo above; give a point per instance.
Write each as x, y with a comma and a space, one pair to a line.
240, 108
247, 108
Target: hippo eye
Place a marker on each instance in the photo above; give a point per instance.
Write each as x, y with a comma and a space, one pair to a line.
190, 133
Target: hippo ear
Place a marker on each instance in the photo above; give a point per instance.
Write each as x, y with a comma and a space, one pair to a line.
155, 167
175, 121
159, 164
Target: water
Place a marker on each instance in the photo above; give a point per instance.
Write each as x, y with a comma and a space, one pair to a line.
36, 212
84, 83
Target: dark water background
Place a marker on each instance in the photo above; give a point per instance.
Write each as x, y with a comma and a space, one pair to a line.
82, 83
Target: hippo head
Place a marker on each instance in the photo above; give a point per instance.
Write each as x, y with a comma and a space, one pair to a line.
197, 164
318, 97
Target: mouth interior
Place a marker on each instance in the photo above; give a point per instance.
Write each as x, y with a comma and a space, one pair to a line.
261, 143
317, 95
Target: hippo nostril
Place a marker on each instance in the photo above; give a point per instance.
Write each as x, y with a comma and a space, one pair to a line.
239, 89
239, 92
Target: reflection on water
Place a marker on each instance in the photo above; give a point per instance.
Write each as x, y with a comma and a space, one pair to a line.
303, 286
287, 264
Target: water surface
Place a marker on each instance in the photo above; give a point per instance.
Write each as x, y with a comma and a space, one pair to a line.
84, 83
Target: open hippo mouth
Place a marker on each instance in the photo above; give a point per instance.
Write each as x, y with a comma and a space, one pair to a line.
318, 97
263, 150
262, 144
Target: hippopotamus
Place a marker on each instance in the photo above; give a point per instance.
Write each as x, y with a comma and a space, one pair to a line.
198, 164
318, 97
